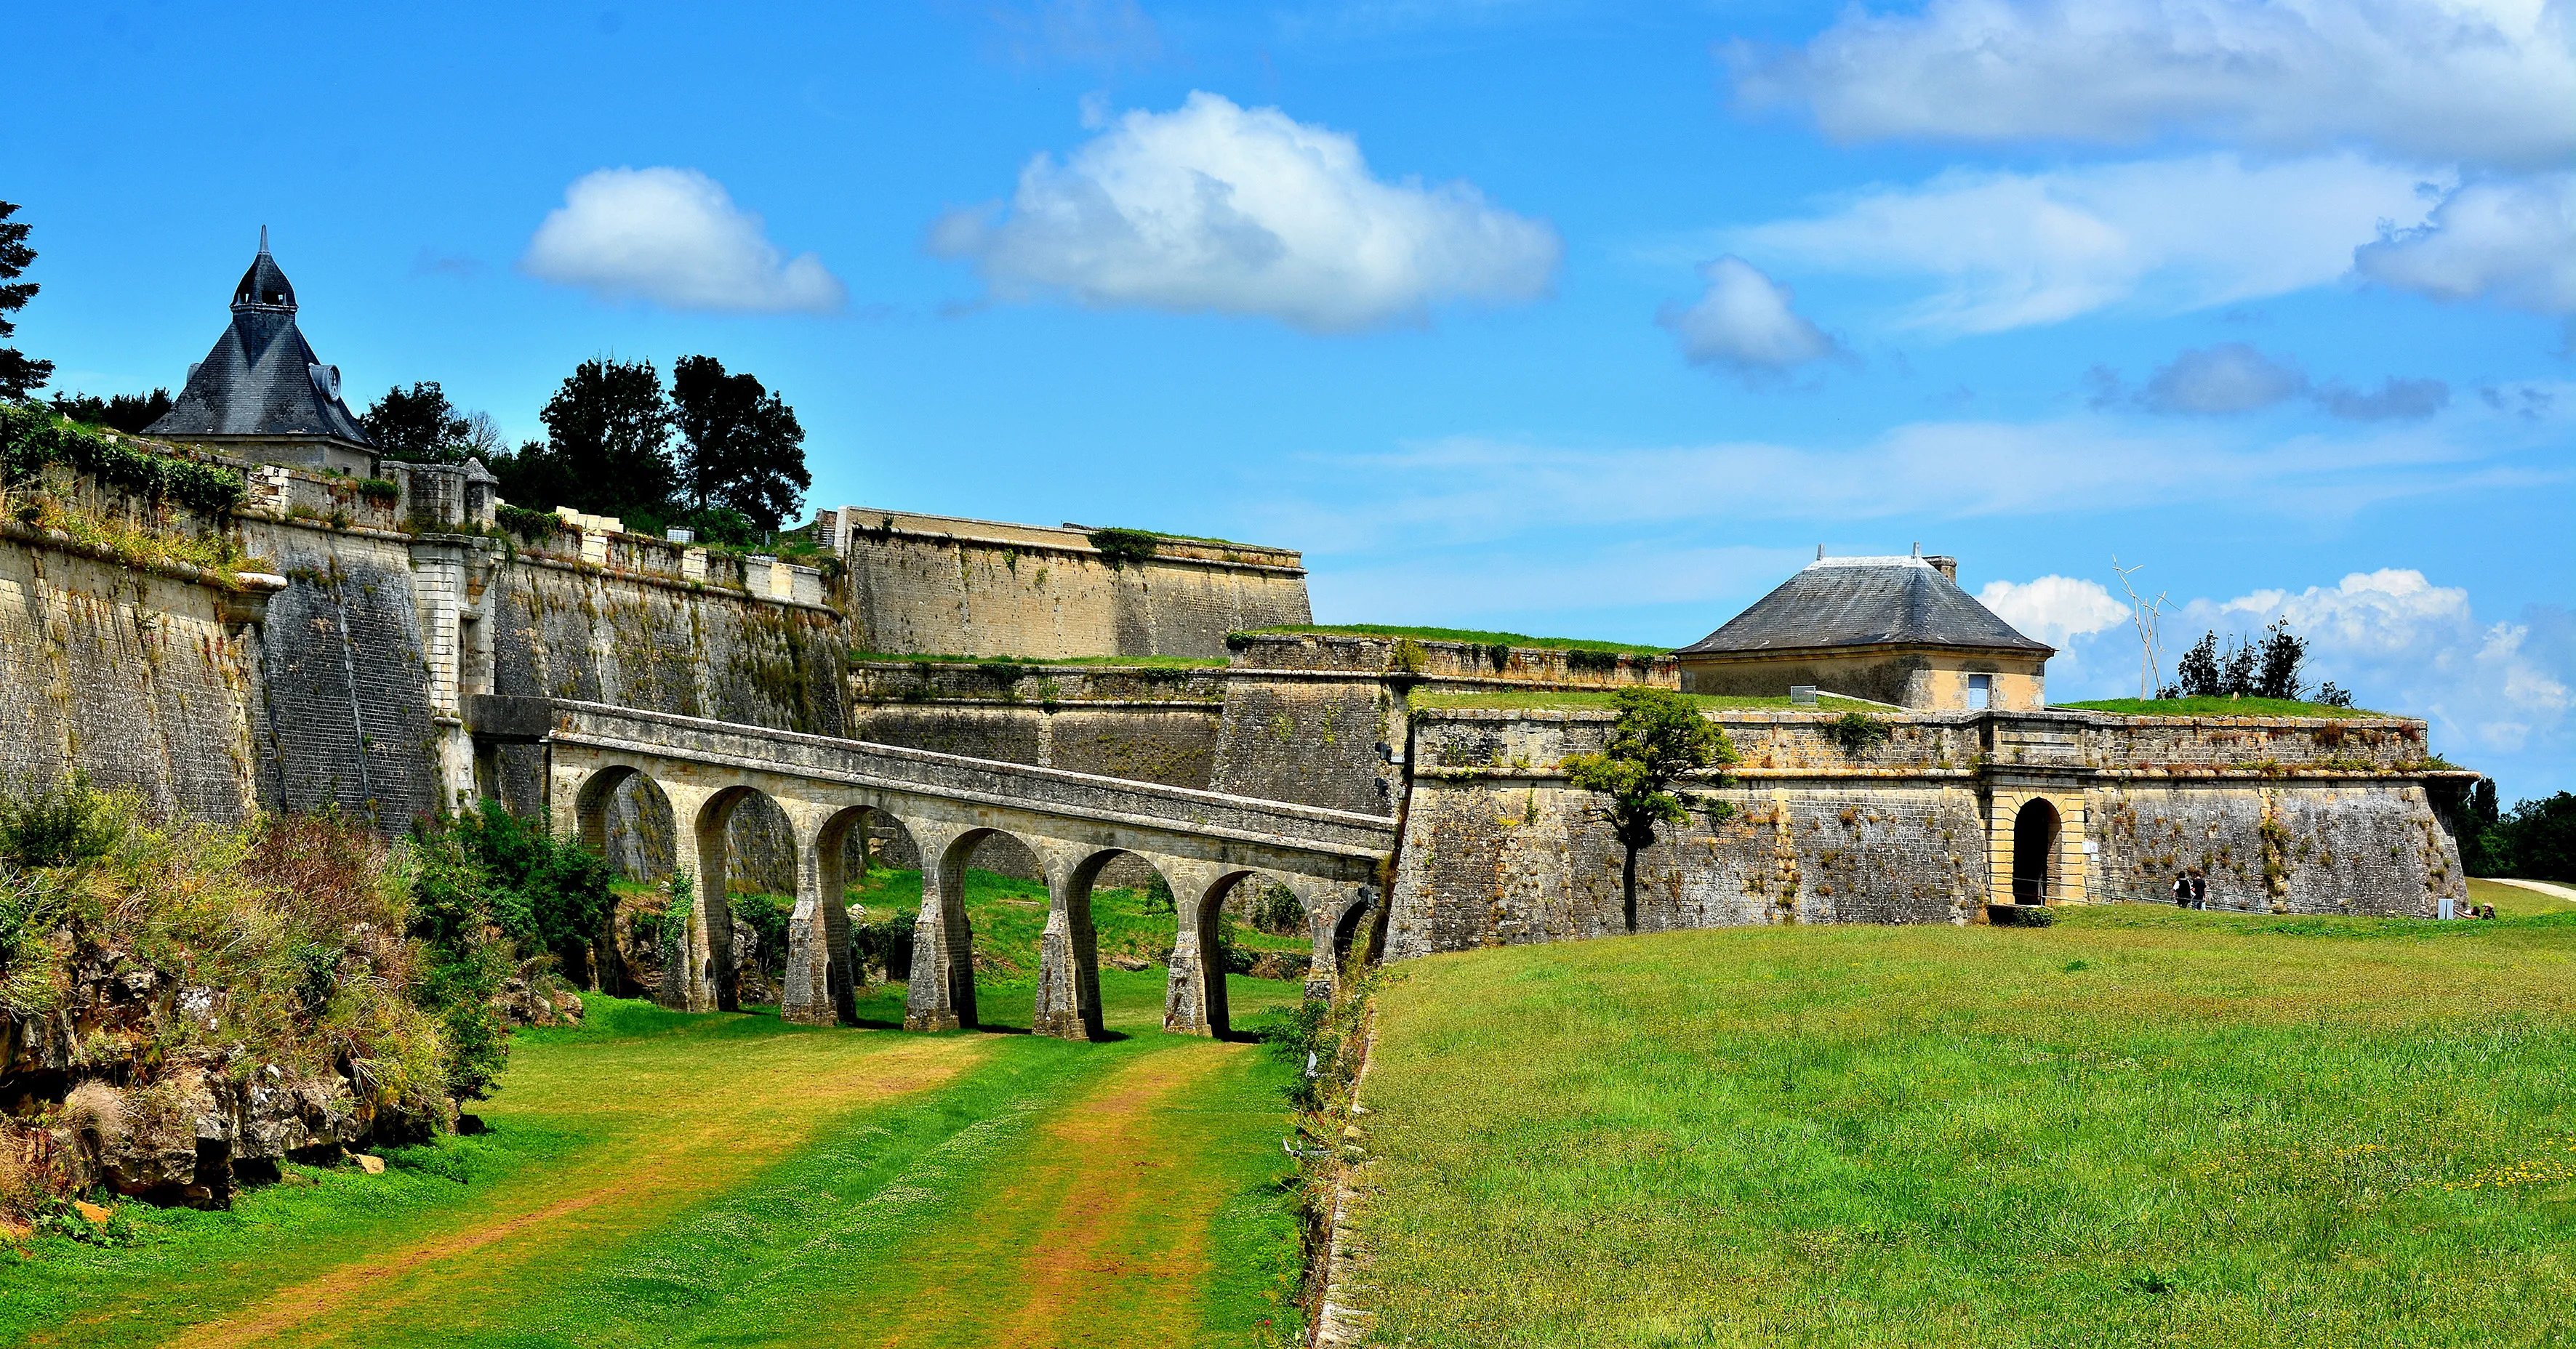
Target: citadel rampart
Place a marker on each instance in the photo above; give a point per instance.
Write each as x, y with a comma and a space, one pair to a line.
327, 670
980, 588
1927, 825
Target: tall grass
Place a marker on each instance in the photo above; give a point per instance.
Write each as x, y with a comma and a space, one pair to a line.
2138, 1126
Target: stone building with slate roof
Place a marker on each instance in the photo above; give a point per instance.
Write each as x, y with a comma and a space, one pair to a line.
262, 394
1890, 629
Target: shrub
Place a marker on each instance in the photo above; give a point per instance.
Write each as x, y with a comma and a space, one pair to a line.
379, 490
886, 945
534, 526
1857, 732
1121, 546
32, 441
62, 826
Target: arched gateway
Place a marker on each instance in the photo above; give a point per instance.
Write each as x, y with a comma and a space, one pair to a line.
1202, 843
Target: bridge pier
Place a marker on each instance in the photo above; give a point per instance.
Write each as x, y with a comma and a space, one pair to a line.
819, 990
942, 993
1337, 916
698, 977
1068, 1001
1194, 997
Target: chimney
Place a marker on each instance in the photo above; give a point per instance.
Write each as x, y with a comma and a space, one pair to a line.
1947, 566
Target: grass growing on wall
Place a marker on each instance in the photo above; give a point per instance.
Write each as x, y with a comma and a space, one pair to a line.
1573, 699
2213, 707
1468, 635
1138, 662
2138, 1126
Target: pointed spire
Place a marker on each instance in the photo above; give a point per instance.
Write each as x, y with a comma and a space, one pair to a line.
263, 238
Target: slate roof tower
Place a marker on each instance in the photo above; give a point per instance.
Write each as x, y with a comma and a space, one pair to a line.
262, 393
1891, 629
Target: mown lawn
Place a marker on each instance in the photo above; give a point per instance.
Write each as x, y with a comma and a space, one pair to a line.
2140, 1126
2214, 707
657, 1178
1473, 636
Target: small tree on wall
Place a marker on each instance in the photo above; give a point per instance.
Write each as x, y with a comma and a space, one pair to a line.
1659, 739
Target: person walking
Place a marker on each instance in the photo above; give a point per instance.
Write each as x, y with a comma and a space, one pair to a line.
2199, 889
2182, 889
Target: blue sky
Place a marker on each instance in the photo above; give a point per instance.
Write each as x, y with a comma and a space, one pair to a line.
1582, 319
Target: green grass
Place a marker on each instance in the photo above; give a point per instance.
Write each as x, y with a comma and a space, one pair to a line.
2213, 707
1008, 916
1130, 662
1475, 636
2512, 901
1568, 699
2139, 1126
657, 1178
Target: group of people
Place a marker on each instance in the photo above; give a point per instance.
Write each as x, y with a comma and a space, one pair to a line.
2191, 891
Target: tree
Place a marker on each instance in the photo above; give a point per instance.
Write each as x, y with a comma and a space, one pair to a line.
417, 426
19, 375
2535, 841
741, 446
1658, 740
608, 442
127, 412
2271, 667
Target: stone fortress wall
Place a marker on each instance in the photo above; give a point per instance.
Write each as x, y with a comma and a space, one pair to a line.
332, 673
329, 672
937, 584
2285, 815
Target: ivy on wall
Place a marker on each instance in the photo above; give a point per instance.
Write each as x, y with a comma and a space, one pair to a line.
32, 441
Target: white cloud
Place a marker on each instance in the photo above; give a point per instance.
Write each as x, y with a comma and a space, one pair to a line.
2007, 250
673, 237
2054, 609
1213, 207
2486, 81
1466, 488
2510, 241
1744, 322
2404, 644
2229, 377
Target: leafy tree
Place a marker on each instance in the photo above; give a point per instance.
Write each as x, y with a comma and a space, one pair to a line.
2271, 667
1658, 740
608, 444
127, 412
19, 375
741, 446
2535, 841
417, 425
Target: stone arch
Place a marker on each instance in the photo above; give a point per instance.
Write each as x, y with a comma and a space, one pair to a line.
1068, 997
626, 817
819, 984
1350, 928
2037, 829
703, 976
942, 992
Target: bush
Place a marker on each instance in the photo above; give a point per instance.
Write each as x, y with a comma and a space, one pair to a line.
62, 826
32, 441
379, 490
1121, 546
1857, 732
885, 945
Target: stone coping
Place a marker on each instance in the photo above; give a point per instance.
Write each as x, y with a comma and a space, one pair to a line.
1066, 542
2102, 720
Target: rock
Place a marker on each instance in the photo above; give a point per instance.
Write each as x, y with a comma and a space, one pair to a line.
568, 1008
92, 1213
1279, 965
1129, 963
372, 1165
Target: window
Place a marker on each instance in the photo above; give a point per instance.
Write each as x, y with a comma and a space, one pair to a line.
1981, 692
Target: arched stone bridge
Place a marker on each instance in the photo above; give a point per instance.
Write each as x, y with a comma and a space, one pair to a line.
1203, 844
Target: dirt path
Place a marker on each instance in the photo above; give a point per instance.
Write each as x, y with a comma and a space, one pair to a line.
692, 1142
1092, 1235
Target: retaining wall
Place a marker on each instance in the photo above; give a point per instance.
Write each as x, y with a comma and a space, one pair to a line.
1499, 849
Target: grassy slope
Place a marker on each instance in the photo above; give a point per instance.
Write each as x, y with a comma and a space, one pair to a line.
2139, 1126
2512, 901
1465, 635
1133, 662
657, 1178
2214, 707
1540, 699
